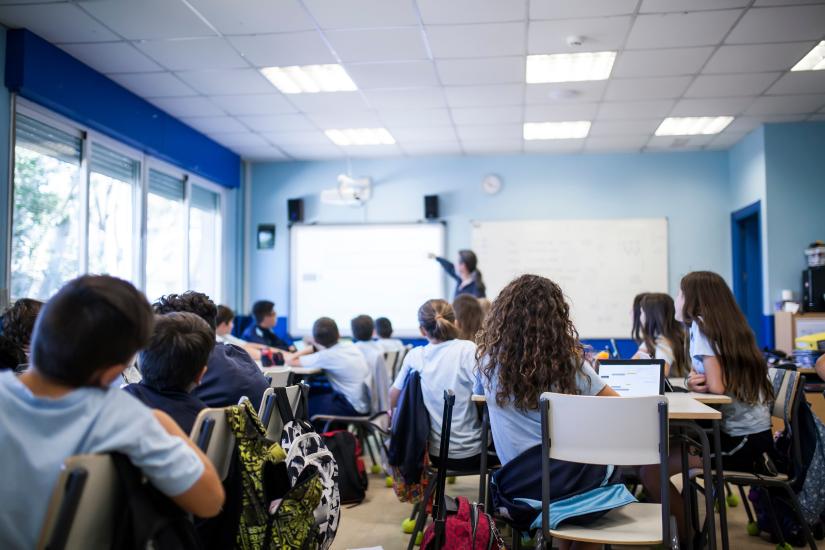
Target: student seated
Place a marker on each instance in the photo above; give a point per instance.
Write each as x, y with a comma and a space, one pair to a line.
383, 333
362, 328
662, 336
173, 364
18, 325
820, 367
64, 406
636, 313
469, 316
231, 373
345, 368
260, 332
445, 363
224, 322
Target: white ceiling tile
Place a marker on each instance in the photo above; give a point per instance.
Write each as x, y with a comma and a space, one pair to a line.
278, 123
398, 44
228, 82
153, 84
475, 96
254, 104
487, 115
371, 151
646, 88
786, 105
703, 28
664, 6
726, 140
494, 70
193, 54
779, 24
565, 92
490, 132
187, 106
254, 16
757, 57
112, 57
635, 109
674, 61
724, 85
555, 146
553, 9
410, 74
615, 144
417, 135
215, 124
480, 40
677, 143
334, 14
326, 102
471, 11
600, 34
726, 106
239, 140
431, 148
313, 151
56, 23
314, 137
761, 3
560, 112
612, 128
413, 98
492, 146
261, 154
803, 82
414, 118
148, 19
346, 119
283, 50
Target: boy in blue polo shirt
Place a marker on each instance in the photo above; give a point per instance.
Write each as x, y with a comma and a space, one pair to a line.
260, 332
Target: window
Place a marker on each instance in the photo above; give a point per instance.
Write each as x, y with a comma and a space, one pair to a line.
165, 236
113, 178
205, 242
46, 226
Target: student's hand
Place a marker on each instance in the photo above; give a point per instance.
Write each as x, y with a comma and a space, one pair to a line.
697, 382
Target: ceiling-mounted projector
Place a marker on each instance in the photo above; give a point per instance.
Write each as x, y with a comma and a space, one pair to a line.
350, 191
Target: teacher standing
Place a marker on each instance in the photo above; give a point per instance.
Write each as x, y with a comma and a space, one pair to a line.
465, 273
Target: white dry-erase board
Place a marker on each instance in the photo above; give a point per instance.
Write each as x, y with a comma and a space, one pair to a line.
381, 270
599, 264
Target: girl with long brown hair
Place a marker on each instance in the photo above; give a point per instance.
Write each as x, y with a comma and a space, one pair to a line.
662, 336
468, 316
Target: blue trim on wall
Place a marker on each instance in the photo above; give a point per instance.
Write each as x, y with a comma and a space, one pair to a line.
768, 332
45, 74
754, 271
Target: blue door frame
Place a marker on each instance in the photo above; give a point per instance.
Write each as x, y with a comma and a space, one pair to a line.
746, 239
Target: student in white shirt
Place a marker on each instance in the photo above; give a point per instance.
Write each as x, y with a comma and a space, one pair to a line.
345, 368
362, 329
662, 336
445, 363
383, 330
224, 322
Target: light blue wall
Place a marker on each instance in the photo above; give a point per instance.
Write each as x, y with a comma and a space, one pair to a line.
5, 108
690, 189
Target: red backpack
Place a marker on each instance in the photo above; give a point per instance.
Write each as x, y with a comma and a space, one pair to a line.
467, 527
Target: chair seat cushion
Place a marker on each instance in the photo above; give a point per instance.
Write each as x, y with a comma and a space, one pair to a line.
632, 524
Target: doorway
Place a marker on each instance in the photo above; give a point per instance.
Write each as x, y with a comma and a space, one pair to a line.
746, 238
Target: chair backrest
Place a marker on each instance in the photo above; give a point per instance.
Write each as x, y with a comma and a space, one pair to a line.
604, 430
401, 355
271, 417
390, 359
83, 504
279, 377
785, 388
212, 434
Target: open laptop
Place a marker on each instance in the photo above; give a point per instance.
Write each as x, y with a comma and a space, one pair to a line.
634, 377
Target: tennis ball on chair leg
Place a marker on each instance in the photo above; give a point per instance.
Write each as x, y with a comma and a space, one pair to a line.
419, 538
451, 480
732, 500
376, 469
408, 525
388, 481
753, 529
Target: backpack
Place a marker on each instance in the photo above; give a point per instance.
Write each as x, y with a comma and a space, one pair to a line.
467, 527
305, 449
147, 517
277, 511
352, 476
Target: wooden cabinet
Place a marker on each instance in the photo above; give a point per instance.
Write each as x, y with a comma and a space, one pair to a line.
788, 326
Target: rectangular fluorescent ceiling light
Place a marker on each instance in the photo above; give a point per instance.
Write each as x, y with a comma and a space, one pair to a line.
693, 125
569, 67
309, 79
814, 61
360, 136
575, 129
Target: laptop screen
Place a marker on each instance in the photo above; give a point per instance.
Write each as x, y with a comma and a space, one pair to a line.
634, 378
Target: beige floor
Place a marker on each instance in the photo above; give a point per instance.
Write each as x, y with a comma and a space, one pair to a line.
377, 521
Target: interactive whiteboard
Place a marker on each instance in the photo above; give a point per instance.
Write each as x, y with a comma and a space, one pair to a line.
341, 271
599, 264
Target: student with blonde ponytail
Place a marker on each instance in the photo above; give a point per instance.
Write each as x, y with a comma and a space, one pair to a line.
445, 363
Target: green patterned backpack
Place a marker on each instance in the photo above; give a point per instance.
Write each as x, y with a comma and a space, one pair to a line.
275, 514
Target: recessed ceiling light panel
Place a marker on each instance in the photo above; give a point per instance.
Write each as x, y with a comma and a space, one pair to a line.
360, 136
309, 79
575, 129
569, 67
813, 61
693, 126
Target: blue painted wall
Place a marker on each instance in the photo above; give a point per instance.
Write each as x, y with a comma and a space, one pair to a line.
5, 236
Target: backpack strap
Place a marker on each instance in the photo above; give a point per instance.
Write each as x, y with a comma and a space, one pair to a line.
282, 401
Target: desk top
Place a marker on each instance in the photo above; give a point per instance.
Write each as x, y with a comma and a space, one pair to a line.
302, 371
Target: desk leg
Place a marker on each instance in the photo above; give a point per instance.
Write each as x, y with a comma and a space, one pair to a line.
687, 503
720, 485
482, 484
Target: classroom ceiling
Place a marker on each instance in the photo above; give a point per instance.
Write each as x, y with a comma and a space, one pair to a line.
447, 76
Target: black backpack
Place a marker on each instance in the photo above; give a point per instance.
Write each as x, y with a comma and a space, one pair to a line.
352, 476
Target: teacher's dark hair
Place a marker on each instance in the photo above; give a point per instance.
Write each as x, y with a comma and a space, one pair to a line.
470, 260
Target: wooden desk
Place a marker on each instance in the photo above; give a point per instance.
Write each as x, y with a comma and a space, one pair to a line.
306, 371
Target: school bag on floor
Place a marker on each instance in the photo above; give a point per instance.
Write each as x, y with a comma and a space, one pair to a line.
277, 512
352, 475
466, 527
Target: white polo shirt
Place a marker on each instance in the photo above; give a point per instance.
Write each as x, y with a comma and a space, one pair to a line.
347, 372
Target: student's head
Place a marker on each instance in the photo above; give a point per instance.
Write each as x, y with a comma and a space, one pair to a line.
191, 302
383, 327
486, 305
706, 300
18, 322
468, 267
362, 327
264, 313
175, 357
636, 330
90, 330
437, 321
224, 320
468, 316
529, 344
658, 320
325, 332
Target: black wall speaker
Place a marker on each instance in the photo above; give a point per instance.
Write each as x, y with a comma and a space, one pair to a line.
295, 209
431, 207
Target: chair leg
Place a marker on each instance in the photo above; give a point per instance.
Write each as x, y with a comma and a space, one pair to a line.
806, 530
365, 440
516, 539
422, 514
772, 516
746, 504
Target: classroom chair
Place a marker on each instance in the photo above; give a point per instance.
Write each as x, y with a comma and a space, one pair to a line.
279, 377
295, 395
390, 361
212, 434
83, 505
631, 431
